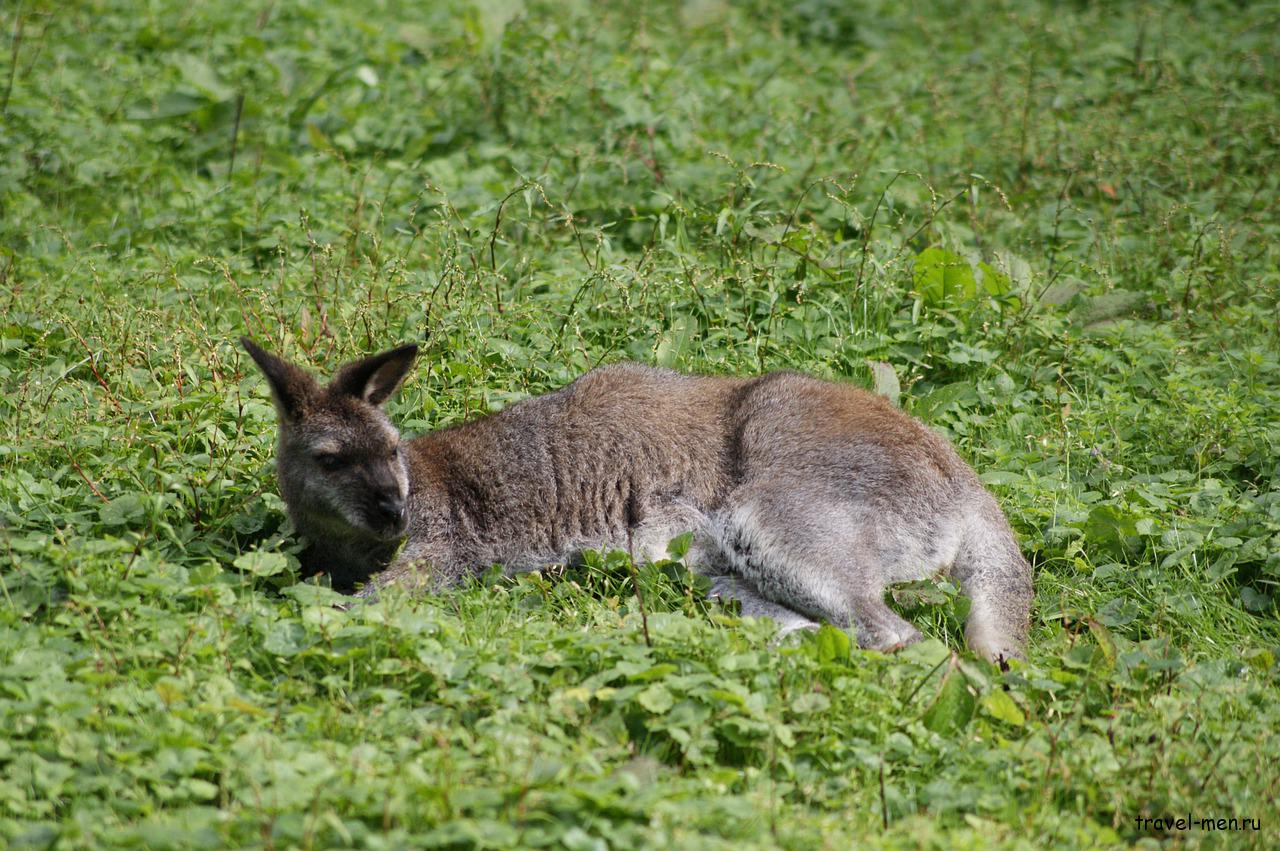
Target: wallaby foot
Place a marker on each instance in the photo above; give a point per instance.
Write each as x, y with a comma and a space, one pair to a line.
755, 606
997, 580
997, 625
879, 628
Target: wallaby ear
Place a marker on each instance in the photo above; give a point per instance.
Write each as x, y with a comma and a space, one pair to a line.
374, 379
290, 386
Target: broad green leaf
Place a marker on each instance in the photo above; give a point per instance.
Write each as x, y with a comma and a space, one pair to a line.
1111, 527
315, 595
262, 563
929, 652
678, 547
201, 790
938, 401
832, 644
656, 698
492, 17
942, 277
169, 105
952, 706
1106, 643
999, 705
810, 701
123, 510
676, 342
886, 380
201, 76
994, 282
656, 672
286, 638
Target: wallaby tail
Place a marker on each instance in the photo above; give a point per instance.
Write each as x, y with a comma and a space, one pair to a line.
997, 580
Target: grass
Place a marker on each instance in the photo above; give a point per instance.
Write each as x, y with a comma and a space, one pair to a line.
1056, 224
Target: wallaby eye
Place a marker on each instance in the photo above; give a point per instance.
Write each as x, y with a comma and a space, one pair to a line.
328, 460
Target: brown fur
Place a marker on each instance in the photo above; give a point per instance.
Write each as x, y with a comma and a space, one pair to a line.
807, 497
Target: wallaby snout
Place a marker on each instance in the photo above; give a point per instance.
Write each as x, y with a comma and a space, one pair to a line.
387, 502
390, 509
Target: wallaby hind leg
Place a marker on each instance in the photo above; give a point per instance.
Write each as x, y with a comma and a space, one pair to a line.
997, 580
817, 555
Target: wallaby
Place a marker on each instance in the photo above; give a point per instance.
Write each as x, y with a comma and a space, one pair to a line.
806, 498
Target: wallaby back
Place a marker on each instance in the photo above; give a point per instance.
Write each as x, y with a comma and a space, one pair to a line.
807, 498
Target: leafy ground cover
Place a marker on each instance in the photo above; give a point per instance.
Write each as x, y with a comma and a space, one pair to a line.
1055, 224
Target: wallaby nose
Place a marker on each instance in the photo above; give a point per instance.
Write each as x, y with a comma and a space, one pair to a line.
390, 508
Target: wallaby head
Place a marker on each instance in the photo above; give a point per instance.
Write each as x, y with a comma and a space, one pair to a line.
342, 471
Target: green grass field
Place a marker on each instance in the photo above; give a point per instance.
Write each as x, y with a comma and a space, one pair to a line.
1057, 224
